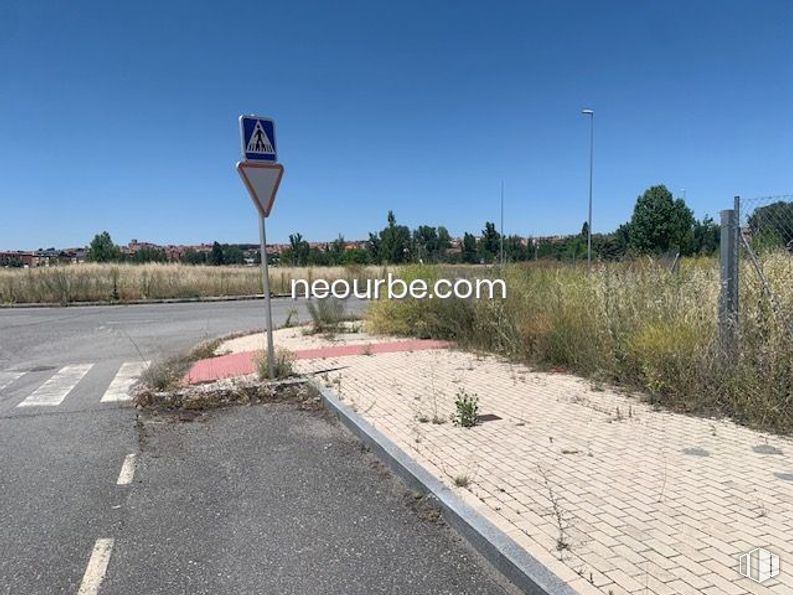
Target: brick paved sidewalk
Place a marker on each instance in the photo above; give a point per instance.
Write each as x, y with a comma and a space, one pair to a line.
640, 501
611, 495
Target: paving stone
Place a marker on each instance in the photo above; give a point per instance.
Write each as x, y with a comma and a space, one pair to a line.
641, 511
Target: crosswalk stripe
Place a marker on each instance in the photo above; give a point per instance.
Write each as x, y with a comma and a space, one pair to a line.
54, 391
127, 374
7, 378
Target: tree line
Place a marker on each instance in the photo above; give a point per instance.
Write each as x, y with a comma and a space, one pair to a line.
660, 224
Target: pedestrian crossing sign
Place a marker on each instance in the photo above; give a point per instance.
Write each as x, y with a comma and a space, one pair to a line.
258, 139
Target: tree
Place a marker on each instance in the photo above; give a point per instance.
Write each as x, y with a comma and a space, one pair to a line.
394, 242
513, 249
233, 255
373, 247
216, 255
425, 243
194, 257
149, 255
299, 250
318, 256
357, 256
660, 223
773, 224
707, 236
585, 230
469, 249
622, 237
608, 246
102, 249
444, 242
337, 250
573, 248
490, 244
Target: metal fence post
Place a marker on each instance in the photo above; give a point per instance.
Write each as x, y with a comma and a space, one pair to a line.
728, 298
736, 262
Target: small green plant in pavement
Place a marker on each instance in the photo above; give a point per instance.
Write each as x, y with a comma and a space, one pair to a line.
467, 409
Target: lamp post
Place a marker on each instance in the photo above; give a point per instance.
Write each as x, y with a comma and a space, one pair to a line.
591, 114
501, 259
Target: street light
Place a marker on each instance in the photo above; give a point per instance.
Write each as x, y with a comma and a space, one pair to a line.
502, 223
591, 114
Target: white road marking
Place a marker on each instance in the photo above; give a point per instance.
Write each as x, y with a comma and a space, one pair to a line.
127, 375
54, 391
7, 378
127, 470
97, 567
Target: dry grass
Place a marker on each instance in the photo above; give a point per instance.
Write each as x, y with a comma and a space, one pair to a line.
283, 365
90, 282
632, 323
167, 373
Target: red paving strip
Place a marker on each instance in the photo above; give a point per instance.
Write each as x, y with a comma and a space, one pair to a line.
240, 364
225, 366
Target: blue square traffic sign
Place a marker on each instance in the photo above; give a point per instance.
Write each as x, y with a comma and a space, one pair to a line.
258, 138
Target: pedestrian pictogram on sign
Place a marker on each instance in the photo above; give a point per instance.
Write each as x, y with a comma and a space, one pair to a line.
258, 139
259, 142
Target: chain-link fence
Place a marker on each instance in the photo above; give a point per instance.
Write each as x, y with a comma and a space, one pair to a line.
767, 222
756, 310
766, 237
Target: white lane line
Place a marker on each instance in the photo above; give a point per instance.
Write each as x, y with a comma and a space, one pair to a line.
97, 567
127, 470
126, 376
54, 391
7, 378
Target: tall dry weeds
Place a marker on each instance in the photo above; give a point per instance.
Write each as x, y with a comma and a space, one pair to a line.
130, 282
633, 323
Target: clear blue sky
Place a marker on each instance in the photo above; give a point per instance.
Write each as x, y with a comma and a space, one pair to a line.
123, 115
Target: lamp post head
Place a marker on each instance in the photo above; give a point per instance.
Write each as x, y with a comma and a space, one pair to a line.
588, 112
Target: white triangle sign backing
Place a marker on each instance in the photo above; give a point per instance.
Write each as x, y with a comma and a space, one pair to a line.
262, 181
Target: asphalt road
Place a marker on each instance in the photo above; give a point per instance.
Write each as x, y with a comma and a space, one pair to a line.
47, 336
264, 499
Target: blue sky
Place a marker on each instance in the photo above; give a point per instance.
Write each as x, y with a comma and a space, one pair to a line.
123, 115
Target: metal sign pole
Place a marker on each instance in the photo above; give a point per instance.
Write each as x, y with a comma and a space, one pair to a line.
267, 305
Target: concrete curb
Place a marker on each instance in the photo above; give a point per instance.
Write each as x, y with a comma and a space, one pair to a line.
511, 560
223, 298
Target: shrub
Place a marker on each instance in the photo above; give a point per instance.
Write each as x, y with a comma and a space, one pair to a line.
467, 409
669, 359
166, 374
326, 315
283, 365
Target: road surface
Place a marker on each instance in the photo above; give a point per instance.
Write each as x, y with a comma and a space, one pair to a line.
95, 498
